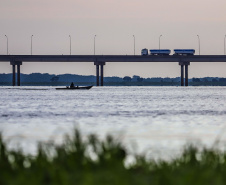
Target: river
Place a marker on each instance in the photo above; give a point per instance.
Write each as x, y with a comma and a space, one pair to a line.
156, 120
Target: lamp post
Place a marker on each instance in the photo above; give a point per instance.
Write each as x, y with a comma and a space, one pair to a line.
7, 43
159, 40
94, 44
224, 43
134, 46
31, 44
199, 43
70, 43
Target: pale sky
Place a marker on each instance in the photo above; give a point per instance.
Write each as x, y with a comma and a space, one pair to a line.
114, 22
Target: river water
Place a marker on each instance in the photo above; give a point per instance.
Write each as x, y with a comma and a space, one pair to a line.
156, 120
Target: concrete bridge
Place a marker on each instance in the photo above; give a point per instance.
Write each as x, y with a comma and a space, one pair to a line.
100, 60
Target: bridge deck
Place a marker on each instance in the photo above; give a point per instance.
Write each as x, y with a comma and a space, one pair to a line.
112, 58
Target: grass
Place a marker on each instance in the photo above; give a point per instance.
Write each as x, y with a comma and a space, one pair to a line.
95, 162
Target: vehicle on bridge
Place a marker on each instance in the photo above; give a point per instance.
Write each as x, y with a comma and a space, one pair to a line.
144, 51
160, 51
184, 52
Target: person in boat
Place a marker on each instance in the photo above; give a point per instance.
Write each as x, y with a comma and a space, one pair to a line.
72, 85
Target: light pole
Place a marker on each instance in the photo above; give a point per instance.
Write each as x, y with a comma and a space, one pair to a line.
199, 43
7, 43
224, 43
134, 44
94, 44
70, 43
159, 40
31, 44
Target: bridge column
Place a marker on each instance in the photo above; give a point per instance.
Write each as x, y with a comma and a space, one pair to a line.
14, 64
182, 75
97, 75
184, 65
102, 73
186, 75
18, 75
14, 75
99, 70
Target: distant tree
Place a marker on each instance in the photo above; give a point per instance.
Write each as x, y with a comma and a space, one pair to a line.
135, 76
140, 79
214, 80
54, 79
127, 79
167, 79
222, 80
195, 80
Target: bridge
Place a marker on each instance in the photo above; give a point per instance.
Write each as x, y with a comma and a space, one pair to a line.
100, 60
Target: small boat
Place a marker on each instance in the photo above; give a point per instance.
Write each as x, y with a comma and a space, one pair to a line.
75, 88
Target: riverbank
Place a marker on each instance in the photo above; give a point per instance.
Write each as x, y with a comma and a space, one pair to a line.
116, 83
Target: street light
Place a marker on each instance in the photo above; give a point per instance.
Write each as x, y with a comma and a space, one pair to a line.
7, 43
94, 43
224, 43
70, 43
199, 43
134, 44
159, 40
31, 44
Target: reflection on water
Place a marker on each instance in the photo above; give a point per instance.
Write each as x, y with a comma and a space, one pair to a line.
158, 119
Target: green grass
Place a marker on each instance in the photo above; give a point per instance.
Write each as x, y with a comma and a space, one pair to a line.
95, 162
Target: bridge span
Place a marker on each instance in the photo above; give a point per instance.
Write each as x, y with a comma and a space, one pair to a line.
100, 60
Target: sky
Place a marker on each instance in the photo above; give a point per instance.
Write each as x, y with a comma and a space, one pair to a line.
114, 22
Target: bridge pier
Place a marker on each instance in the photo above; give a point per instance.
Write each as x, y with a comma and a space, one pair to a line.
14, 75
186, 75
102, 75
99, 73
184, 79
18, 75
182, 75
14, 64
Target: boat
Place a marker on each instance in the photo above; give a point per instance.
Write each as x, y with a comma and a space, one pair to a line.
75, 88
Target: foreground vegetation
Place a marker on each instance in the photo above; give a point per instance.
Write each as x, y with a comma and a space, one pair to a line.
95, 162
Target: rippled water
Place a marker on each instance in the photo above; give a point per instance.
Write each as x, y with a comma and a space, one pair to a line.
160, 120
